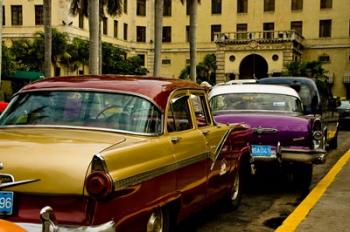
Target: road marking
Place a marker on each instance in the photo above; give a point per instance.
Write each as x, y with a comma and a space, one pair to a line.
300, 212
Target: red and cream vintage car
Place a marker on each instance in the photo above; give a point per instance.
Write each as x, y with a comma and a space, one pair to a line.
122, 153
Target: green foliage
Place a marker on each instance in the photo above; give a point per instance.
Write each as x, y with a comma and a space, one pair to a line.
115, 61
8, 62
206, 70
311, 69
28, 55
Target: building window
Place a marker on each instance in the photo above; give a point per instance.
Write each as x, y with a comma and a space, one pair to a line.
3, 15
242, 6
141, 8
268, 30
215, 29
125, 6
297, 26
216, 6
81, 20
166, 61
297, 4
16, 15
125, 33
325, 28
167, 8
324, 58
142, 59
242, 29
188, 7
326, 4
115, 33
167, 34
269, 5
39, 15
141, 34
105, 25
187, 33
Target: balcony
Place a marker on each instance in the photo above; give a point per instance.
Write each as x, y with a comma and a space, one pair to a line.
258, 36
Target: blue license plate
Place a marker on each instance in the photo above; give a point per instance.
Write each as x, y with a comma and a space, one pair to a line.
261, 150
6, 202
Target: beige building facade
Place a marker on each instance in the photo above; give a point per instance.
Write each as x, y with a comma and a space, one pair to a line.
250, 38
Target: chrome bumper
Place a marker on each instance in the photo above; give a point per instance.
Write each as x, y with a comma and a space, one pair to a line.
49, 225
311, 156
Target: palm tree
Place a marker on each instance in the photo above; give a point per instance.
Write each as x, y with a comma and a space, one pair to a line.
87, 8
158, 35
193, 4
48, 37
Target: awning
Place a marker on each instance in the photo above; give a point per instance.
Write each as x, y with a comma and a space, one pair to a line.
27, 75
346, 79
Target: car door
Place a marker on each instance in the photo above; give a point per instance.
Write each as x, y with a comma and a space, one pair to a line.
221, 157
190, 152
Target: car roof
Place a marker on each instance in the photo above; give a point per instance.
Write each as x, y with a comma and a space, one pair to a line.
253, 88
156, 89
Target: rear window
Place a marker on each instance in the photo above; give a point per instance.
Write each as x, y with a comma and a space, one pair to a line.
84, 109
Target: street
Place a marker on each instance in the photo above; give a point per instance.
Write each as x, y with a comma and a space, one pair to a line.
264, 206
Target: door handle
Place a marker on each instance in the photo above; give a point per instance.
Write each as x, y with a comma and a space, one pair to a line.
205, 132
175, 140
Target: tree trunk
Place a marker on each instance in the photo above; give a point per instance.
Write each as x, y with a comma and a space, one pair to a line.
47, 38
94, 19
193, 38
158, 36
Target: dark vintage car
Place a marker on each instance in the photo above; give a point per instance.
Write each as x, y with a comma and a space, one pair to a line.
283, 135
119, 153
344, 114
317, 98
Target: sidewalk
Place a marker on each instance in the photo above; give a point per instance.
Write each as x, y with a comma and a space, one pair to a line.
327, 207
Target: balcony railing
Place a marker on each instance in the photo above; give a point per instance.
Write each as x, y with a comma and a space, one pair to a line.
259, 36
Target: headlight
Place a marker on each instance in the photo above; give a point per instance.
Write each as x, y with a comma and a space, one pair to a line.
318, 135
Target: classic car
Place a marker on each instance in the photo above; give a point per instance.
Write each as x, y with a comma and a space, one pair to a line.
344, 114
124, 152
282, 135
317, 98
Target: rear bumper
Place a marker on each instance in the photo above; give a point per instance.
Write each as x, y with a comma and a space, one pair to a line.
310, 156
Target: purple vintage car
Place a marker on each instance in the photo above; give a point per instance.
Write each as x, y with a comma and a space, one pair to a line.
282, 134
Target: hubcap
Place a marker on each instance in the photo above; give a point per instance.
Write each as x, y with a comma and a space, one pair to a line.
235, 188
155, 221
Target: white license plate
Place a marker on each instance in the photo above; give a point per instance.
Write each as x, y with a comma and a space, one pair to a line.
6, 202
261, 150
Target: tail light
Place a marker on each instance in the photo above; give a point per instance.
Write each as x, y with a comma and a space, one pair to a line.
99, 184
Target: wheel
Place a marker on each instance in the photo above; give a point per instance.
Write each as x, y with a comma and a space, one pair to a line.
233, 199
159, 221
302, 176
333, 144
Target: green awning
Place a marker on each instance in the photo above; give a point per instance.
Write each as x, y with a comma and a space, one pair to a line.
27, 75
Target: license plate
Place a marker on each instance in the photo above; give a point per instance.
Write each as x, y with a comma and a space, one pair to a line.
261, 150
6, 202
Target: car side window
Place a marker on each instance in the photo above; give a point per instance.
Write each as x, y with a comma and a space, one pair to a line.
201, 110
179, 116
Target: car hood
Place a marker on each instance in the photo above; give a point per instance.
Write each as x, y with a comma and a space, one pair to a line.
272, 128
59, 158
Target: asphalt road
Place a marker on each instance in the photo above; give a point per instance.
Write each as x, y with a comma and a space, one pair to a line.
267, 202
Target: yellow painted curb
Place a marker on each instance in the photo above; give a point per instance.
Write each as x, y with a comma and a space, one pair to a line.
300, 212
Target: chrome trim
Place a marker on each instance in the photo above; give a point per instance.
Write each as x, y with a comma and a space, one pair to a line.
147, 175
219, 147
99, 158
82, 128
260, 130
15, 183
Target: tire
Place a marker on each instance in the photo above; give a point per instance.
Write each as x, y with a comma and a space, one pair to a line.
159, 220
302, 174
333, 144
233, 198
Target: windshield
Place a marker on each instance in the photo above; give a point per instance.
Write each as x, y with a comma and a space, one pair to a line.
84, 109
256, 102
